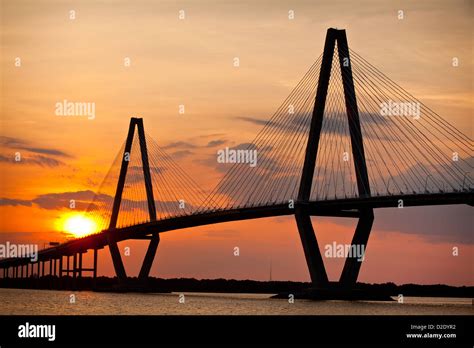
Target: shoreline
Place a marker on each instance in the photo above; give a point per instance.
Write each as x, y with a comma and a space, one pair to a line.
362, 291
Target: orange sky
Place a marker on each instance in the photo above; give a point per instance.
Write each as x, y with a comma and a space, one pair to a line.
189, 62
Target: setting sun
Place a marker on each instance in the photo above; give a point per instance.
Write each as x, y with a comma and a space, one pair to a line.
79, 225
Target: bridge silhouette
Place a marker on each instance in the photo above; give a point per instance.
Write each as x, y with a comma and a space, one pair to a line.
346, 141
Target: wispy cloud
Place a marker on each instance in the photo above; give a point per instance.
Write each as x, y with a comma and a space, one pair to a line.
255, 120
300, 123
15, 202
40, 160
181, 154
180, 145
31, 154
19, 144
216, 142
54, 201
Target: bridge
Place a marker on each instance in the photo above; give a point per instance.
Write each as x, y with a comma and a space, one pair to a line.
346, 141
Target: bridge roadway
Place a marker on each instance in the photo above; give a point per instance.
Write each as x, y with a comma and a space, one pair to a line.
336, 208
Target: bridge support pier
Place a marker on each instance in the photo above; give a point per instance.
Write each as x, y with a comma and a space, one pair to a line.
312, 253
74, 271
149, 256
80, 265
74, 261
313, 256
95, 265
61, 267
117, 260
352, 265
68, 265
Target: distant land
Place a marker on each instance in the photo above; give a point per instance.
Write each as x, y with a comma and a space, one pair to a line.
228, 286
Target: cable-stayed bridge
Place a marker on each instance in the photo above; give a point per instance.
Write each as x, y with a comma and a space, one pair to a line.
346, 141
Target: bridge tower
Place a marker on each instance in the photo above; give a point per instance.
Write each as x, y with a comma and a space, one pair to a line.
155, 237
302, 215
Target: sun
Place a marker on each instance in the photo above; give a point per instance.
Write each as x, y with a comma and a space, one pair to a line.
79, 225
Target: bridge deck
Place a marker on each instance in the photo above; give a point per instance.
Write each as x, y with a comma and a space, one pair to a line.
338, 208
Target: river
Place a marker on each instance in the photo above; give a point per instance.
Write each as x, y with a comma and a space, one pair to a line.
52, 302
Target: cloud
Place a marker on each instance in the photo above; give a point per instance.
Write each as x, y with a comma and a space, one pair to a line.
43, 157
40, 238
52, 152
270, 180
14, 202
186, 146
425, 176
180, 145
300, 122
211, 160
135, 174
19, 144
40, 160
181, 154
254, 120
212, 135
436, 223
88, 200
216, 142
52, 201
62, 200
10, 142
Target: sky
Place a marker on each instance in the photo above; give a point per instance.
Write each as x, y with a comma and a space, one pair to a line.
50, 54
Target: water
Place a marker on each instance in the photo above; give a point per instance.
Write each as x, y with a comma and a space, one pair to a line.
37, 302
